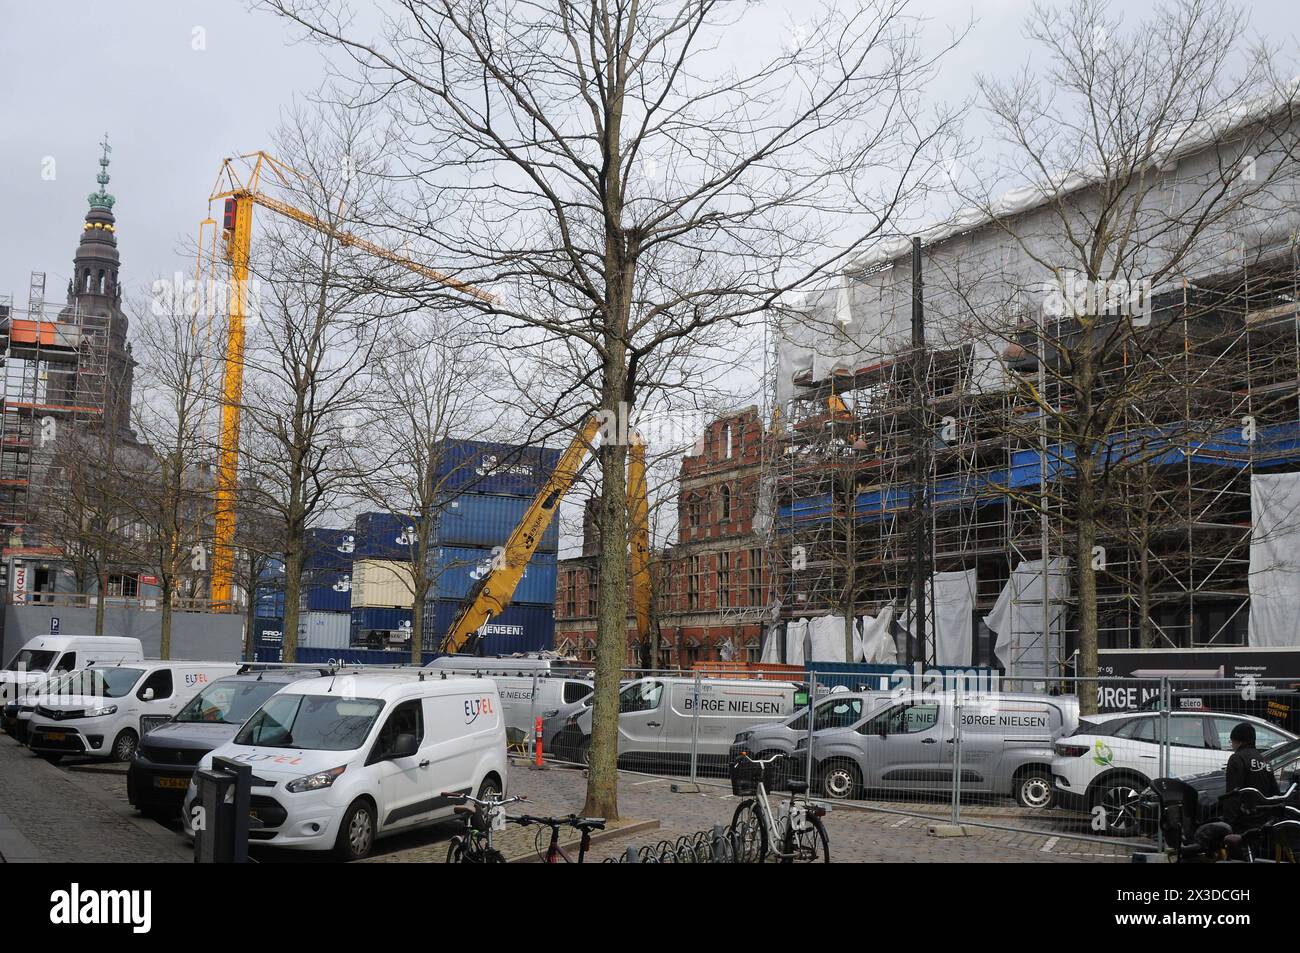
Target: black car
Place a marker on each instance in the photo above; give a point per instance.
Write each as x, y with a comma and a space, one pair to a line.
1283, 760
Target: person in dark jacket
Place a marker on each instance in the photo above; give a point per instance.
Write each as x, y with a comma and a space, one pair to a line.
1246, 766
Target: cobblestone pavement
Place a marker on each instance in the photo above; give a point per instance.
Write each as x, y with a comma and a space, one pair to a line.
77, 812
75, 815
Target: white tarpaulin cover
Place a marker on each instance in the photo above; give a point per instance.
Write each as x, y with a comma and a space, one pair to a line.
877, 638
1275, 559
1017, 618
772, 645
826, 637
796, 630
950, 629
954, 616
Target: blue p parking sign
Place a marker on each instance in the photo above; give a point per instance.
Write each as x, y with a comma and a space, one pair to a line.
54, 625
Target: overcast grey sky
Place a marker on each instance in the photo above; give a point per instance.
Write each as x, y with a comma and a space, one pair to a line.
178, 84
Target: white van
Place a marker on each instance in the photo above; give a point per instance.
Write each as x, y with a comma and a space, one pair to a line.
525, 698
104, 711
48, 655
657, 722
339, 761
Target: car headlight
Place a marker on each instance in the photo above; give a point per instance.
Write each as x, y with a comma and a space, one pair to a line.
743, 737
97, 712
314, 782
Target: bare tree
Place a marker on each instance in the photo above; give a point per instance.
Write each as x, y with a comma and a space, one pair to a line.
321, 321
169, 491
1139, 153
621, 193
426, 392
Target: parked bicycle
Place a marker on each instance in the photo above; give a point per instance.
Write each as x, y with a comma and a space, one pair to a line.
553, 853
485, 817
796, 828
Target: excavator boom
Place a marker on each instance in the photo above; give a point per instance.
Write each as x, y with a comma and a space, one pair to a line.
493, 592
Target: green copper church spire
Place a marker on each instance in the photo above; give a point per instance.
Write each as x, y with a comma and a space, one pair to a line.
102, 199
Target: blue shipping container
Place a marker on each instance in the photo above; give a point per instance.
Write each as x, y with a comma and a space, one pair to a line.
384, 536
377, 620
456, 570
477, 519
328, 598
269, 604
501, 468
521, 628
328, 549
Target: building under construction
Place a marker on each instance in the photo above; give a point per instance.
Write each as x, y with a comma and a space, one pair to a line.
67, 378
948, 455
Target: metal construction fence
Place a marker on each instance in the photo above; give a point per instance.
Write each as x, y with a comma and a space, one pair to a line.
1065, 757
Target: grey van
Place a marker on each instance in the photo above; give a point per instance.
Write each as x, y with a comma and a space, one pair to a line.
837, 710
1006, 746
658, 723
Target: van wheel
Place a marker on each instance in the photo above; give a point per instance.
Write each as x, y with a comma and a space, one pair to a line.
841, 780
584, 753
1034, 787
124, 745
357, 832
488, 789
52, 758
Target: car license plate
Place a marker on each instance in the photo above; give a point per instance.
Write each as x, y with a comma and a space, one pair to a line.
56, 735
179, 784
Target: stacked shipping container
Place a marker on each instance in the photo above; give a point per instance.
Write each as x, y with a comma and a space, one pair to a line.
490, 486
356, 583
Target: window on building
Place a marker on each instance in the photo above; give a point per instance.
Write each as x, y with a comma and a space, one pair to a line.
724, 579
571, 594
724, 494
727, 444
120, 584
756, 595
693, 584
692, 654
753, 654
694, 512
591, 593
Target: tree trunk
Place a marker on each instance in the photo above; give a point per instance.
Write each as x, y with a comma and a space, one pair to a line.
250, 616
165, 628
292, 588
99, 602
1085, 539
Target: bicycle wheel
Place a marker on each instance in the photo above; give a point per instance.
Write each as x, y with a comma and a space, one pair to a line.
456, 851
493, 856
803, 847
751, 832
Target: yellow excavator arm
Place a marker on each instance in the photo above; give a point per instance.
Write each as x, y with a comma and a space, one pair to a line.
493, 592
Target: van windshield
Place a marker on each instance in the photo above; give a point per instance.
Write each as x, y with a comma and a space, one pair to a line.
227, 702
31, 660
311, 723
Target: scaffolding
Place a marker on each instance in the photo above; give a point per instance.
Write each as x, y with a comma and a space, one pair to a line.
55, 379
1207, 392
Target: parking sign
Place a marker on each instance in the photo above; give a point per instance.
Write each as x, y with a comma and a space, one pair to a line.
54, 625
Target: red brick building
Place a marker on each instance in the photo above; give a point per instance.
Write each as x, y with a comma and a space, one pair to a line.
711, 586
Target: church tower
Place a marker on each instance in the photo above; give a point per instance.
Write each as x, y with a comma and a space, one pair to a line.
105, 375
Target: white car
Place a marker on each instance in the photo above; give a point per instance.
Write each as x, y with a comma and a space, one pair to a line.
1110, 758
47, 657
339, 761
103, 711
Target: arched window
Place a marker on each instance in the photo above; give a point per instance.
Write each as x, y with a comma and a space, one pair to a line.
85, 280
724, 494
100, 284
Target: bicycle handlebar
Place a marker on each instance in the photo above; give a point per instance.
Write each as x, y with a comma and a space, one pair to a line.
748, 757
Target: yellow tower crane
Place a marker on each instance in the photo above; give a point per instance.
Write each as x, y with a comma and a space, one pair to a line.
240, 192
